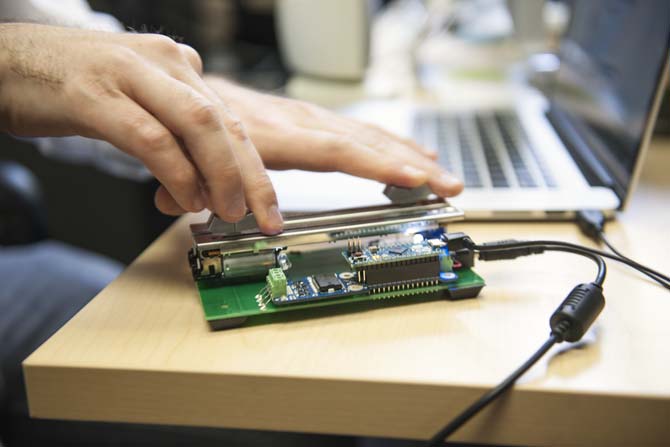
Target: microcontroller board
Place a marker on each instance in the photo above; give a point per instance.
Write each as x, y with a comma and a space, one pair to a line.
323, 280
342, 260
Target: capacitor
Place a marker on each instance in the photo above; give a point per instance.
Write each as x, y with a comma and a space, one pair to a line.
446, 261
250, 265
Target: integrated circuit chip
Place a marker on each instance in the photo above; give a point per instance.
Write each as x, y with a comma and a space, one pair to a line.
402, 271
327, 281
398, 265
398, 251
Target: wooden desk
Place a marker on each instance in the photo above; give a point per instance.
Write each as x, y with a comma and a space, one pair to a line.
142, 352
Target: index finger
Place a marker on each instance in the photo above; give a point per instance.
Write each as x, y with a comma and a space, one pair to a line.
194, 118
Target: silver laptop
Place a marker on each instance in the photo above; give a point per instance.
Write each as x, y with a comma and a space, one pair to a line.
577, 141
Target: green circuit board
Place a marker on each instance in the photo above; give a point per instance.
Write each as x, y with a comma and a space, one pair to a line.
231, 305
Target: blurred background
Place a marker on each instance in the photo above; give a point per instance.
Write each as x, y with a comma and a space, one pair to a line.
385, 49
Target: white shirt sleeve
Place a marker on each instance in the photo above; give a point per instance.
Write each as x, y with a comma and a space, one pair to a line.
75, 14
72, 13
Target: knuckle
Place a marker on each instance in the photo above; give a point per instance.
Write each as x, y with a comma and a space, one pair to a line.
204, 113
230, 174
182, 179
261, 184
192, 57
236, 129
223, 175
163, 43
150, 137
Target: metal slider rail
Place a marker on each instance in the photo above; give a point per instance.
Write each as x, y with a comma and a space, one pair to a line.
328, 226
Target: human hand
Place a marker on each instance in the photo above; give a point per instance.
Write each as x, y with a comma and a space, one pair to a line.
144, 94
291, 134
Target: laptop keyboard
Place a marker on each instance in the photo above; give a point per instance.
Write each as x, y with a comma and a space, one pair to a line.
468, 165
488, 149
493, 164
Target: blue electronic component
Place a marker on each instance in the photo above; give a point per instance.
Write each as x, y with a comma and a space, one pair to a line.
448, 276
320, 287
434, 233
446, 261
359, 256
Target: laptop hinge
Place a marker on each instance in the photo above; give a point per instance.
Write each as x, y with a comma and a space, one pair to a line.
593, 170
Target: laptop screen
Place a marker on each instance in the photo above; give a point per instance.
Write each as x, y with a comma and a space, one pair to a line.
612, 58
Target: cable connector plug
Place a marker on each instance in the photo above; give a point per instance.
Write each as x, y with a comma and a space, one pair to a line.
577, 312
499, 250
461, 247
591, 223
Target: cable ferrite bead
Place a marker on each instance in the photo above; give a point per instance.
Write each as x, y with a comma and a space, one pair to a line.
577, 312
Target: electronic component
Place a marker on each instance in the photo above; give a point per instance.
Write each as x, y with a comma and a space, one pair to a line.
215, 241
276, 282
397, 251
230, 305
363, 257
459, 249
326, 282
321, 286
396, 266
212, 264
448, 276
446, 261
436, 243
242, 273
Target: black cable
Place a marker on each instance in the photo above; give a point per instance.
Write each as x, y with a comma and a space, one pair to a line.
512, 249
491, 395
651, 273
569, 322
592, 224
656, 276
601, 236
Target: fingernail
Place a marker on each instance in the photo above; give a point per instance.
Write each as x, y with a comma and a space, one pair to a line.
414, 173
450, 183
198, 203
236, 206
275, 220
